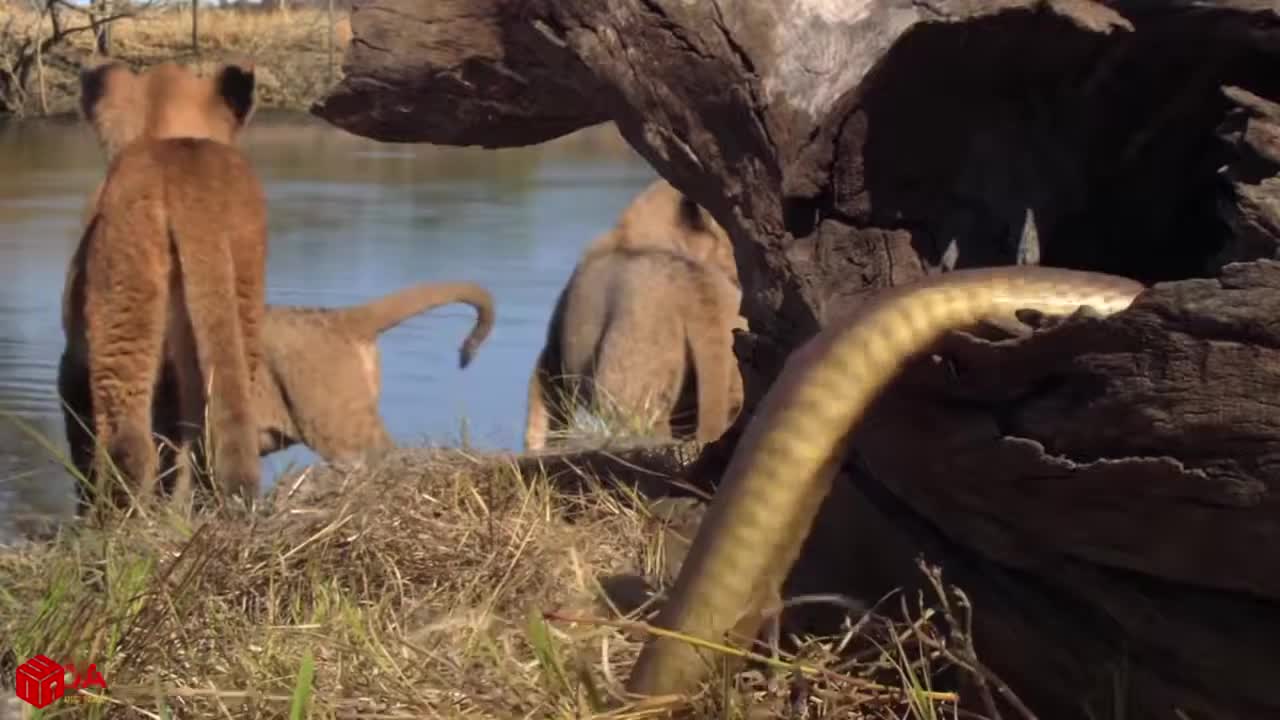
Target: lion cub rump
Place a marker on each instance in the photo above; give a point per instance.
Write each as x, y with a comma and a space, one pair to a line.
645, 323
664, 339
173, 263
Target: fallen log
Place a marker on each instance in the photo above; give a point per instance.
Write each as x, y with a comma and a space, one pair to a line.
1105, 491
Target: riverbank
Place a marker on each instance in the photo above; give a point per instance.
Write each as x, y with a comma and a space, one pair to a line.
436, 583
290, 48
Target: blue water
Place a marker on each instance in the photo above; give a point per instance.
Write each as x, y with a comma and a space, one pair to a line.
351, 219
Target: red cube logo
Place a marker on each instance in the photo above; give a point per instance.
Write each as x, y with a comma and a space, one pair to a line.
40, 681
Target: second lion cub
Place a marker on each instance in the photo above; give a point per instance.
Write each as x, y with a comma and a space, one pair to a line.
645, 323
172, 266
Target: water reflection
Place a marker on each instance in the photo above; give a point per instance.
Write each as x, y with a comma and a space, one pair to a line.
350, 219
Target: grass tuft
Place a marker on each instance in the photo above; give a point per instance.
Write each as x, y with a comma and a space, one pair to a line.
435, 583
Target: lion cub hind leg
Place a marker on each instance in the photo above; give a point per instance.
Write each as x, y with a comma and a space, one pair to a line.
709, 327
77, 421
549, 411
187, 395
352, 441
640, 367
125, 318
224, 372
336, 416
215, 312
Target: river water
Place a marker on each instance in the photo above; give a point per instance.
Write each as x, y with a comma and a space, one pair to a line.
350, 219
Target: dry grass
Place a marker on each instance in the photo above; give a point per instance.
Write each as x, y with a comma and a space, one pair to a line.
600, 420
419, 588
290, 49
224, 31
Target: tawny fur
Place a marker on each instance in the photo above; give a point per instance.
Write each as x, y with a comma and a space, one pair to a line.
323, 379
645, 325
168, 275
321, 382
663, 218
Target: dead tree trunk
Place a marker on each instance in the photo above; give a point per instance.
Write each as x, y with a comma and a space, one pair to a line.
1108, 493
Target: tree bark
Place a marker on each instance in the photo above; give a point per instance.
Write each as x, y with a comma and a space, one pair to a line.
1117, 476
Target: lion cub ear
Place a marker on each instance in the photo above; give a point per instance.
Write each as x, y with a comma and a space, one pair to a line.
235, 85
110, 103
689, 214
93, 84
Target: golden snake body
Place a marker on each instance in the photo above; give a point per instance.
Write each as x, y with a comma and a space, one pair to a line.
786, 458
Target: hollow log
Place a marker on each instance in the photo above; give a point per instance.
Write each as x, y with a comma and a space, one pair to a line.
1106, 491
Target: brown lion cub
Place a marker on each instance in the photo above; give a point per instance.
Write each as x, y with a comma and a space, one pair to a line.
652, 298
322, 380
320, 384
169, 273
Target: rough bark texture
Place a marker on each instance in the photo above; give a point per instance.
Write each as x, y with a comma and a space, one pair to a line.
1107, 491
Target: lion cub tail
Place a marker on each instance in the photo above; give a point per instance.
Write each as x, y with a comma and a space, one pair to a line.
709, 333
208, 287
386, 312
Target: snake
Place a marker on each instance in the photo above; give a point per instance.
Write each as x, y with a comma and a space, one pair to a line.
790, 450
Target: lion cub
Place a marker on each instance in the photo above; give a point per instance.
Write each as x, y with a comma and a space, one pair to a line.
650, 299
323, 379
168, 275
320, 384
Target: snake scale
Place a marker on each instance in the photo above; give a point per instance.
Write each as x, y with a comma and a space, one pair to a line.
788, 455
